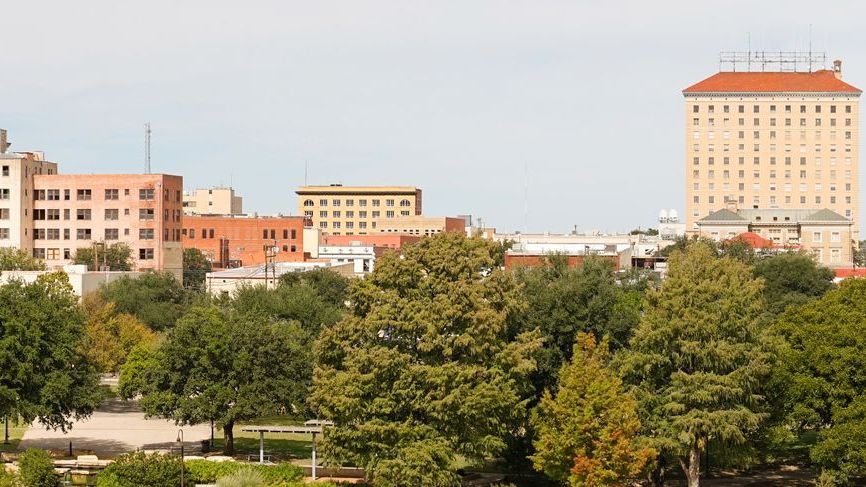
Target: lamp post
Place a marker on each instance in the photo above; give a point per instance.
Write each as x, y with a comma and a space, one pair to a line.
180, 440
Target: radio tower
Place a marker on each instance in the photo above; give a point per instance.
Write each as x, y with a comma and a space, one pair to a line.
147, 148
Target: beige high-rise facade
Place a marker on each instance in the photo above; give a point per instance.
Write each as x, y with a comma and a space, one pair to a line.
772, 140
212, 201
354, 210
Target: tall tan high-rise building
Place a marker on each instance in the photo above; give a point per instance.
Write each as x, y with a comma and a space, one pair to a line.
354, 210
772, 140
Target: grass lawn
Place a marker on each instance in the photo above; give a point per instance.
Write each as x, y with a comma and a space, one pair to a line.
16, 431
280, 446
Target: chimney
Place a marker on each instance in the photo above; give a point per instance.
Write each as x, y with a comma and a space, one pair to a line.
837, 68
3, 143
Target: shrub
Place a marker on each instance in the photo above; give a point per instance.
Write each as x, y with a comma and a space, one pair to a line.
139, 469
36, 469
6, 478
245, 477
204, 471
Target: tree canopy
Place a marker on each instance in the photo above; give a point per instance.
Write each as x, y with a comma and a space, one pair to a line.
219, 366
111, 336
15, 259
195, 268
791, 279
699, 357
155, 298
117, 256
422, 371
44, 374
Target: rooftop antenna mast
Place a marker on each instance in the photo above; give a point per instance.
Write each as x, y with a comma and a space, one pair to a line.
147, 148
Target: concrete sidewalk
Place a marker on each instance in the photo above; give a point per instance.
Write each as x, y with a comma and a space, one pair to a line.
116, 427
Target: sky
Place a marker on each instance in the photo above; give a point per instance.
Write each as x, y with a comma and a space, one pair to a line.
539, 115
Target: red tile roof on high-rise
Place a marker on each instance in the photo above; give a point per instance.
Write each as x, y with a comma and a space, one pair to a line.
823, 81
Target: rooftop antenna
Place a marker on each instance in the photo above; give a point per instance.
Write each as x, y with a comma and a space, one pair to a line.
525, 197
810, 48
147, 148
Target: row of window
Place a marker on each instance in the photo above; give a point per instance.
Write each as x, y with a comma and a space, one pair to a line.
756, 122
4, 171
54, 254
711, 160
772, 201
109, 234
773, 147
146, 194
266, 233
348, 225
351, 214
756, 134
788, 187
388, 202
756, 174
757, 108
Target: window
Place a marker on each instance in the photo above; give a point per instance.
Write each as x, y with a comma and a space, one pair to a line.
323, 214
145, 194
362, 214
39, 194
145, 234
83, 195
308, 203
389, 214
376, 203
816, 237
112, 214
4, 193
52, 194
336, 214
4, 233
112, 233
362, 202
350, 214
145, 254
210, 233
375, 214
82, 234
362, 224
38, 234
112, 194
323, 224
323, 202
695, 109
52, 254
192, 233
82, 214
146, 214
5, 170
39, 253
835, 237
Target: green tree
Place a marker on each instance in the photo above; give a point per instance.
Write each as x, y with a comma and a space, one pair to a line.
564, 301
44, 374
859, 253
699, 357
215, 366
155, 298
792, 279
301, 302
822, 371
328, 284
15, 259
195, 268
422, 369
586, 435
36, 469
117, 256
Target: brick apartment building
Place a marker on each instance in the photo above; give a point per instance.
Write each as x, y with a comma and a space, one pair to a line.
234, 241
51, 215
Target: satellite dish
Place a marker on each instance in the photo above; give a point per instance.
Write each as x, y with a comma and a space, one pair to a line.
663, 215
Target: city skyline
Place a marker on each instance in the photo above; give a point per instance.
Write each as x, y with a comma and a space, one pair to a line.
463, 101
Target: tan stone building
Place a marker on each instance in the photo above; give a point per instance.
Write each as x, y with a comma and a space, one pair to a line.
824, 233
212, 201
355, 210
419, 225
772, 140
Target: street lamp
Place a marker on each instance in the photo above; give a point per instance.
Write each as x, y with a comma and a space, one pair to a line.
180, 440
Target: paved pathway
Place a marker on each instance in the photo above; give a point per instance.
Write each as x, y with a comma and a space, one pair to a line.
116, 427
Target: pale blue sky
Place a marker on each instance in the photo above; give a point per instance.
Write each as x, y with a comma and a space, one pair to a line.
458, 97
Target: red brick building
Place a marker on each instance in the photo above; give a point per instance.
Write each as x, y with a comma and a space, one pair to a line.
235, 241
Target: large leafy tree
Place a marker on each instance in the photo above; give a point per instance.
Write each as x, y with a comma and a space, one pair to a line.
564, 301
422, 370
791, 279
586, 435
157, 299
195, 268
699, 357
44, 375
15, 259
215, 366
328, 284
822, 371
117, 256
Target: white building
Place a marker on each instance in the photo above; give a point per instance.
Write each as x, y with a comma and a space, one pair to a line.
83, 282
226, 282
362, 257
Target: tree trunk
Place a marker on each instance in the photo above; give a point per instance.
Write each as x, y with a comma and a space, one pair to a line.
229, 438
657, 475
692, 469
